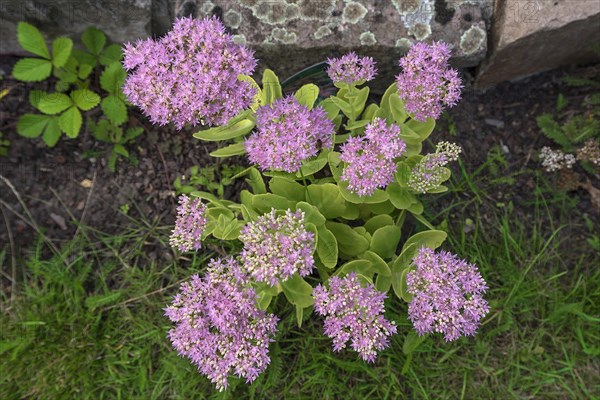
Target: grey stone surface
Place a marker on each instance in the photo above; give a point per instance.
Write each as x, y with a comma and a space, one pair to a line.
530, 36
122, 20
289, 35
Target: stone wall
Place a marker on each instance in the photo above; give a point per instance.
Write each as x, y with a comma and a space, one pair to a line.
525, 36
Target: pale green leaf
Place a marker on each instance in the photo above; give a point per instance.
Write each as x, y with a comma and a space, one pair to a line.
70, 122
61, 50
85, 99
32, 69
54, 103
31, 39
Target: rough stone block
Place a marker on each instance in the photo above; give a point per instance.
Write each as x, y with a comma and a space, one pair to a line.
122, 20
289, 35
530, 36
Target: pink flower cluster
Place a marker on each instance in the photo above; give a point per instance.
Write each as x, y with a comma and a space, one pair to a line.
370, 158
190, 224
447, 295
429, 173
426, 83
351, 69
218, 325
288, 133
354, 313
190, 75
276, 247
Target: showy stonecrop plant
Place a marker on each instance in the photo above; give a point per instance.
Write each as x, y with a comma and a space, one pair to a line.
83, 79
332, 183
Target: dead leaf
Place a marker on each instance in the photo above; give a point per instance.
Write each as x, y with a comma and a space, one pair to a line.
86, 183
60, 221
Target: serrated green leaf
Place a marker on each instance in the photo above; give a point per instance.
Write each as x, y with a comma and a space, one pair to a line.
35, 96
31, 39
32, 70
113, 77
54, 103
94, 40
61, 50
85, 99
52, 132
114, 109
70, 122
119, 149
111, 54
32, 125
83, 57
84, 70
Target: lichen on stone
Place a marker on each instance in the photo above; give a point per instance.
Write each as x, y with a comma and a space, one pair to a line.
207, 7
420, 31
405, 7
292, 11
353, 12
404, 44
239, 39
472, 39
271, 12
421, 14
316, 9
283, 36
232, 19
322, 32
367, 38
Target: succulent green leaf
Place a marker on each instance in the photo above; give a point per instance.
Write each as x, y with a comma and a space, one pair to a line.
307, 95
377, 222
327, 198
287, 188
400, 197
327, 248
298, 291
349, 241
385, 241
271, 90
397, 108
311, 213
235, 149
225, 132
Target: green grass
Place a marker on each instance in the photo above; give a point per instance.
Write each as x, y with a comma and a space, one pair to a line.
88, 323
